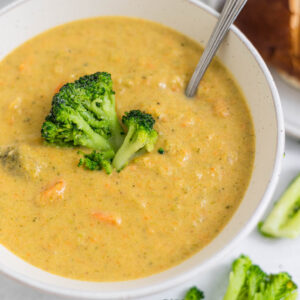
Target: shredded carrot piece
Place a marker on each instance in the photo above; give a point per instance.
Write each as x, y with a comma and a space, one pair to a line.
25, 65
14, 109
221, 108
92, 239
59, 86
113, 220
22, 67
150, 65
53, 193
187, 123
57, 188
131, 167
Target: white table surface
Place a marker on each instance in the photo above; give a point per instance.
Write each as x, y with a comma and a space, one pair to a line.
271, 255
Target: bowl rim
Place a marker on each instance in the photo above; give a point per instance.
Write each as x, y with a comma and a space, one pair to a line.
251, 223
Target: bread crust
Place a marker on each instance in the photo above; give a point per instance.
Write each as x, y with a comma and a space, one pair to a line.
273, 26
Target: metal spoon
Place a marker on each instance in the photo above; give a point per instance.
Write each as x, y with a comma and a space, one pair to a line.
229, 13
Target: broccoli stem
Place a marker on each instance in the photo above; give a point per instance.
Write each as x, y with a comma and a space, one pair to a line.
237, 277
107, 105
117, 134
292, 297
284, 219
93, 140
126, 151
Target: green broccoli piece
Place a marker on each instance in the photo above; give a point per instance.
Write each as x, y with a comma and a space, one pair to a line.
161, 151
256, 281
278, 287
194, 294
237, 277
249, 282
83, 114
284, 219
140, 137
97, 161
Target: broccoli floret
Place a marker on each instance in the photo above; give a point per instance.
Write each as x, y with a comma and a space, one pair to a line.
249, 282
194, 294
140, 137
256, 281
97, 161
284, 219
279, 286
83, 114
237, 277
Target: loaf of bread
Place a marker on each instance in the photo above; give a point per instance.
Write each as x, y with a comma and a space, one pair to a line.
273, 26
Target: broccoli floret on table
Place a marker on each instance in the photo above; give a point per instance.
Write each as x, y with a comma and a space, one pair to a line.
194, 294
250, 282
284, 219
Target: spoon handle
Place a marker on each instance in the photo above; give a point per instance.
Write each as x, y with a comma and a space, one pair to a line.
228, 15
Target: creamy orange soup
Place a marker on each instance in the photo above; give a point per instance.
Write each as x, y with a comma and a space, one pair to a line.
161, 208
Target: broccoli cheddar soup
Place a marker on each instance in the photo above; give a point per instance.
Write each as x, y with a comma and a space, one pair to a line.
165, 205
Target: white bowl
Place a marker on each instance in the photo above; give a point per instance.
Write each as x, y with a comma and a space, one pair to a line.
25, 19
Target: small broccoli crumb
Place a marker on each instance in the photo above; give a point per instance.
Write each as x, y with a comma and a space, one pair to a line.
97, 161
161, 151
194, 294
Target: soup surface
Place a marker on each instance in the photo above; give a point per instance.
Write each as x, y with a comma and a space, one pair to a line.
161, 208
